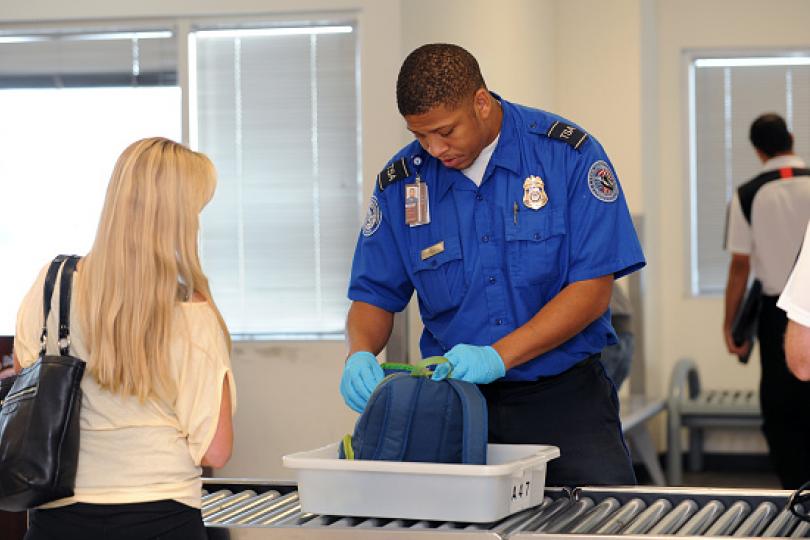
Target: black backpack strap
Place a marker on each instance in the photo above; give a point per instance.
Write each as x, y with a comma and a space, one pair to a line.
747, 191
65, 290
50, 282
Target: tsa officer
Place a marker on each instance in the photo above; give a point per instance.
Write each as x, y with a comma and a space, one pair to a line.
510, 225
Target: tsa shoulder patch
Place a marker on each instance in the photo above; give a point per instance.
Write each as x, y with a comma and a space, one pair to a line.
602, 183
373, 218
397, 170
568, 134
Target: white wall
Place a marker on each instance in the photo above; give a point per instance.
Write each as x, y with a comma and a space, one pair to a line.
598, 81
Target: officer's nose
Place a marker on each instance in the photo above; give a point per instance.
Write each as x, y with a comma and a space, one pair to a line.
435, 146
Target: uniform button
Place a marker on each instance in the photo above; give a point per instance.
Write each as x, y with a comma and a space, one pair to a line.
478, 197
485, 238
499, 322
492, 279
536, 236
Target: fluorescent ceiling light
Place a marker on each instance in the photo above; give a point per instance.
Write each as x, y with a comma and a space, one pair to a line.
290, 31
753, 62
106, 36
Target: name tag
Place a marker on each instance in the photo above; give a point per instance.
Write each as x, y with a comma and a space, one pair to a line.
435, 249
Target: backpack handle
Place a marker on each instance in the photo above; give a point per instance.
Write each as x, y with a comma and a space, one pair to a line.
420, 369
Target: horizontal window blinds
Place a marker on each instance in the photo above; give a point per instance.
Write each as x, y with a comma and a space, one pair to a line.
278, 115
86, 59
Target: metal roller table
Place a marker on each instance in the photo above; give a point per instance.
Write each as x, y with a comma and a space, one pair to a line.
253, 509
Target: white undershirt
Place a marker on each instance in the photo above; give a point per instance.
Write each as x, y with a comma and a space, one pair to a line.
475, 172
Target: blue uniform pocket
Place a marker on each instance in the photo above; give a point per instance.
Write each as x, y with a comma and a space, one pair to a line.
439, 278
533, 244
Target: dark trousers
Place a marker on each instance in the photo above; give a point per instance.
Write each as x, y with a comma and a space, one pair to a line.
785, 401
577, 411
159, 520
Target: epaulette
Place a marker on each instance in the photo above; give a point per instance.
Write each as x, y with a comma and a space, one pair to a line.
394, 172
567, 133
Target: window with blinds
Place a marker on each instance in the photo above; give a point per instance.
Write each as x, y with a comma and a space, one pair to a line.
726, 95
277, 111
70, 102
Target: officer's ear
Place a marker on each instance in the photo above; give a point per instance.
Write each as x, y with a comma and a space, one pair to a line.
482, 103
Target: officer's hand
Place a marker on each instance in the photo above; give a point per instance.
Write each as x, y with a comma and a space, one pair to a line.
361, 375
471, 363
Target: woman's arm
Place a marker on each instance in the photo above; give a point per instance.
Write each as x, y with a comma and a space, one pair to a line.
219, 451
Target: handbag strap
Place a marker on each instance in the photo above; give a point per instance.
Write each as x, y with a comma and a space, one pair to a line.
65, 290
50, 281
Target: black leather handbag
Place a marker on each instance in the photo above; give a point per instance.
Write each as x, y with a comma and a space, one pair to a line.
39, 413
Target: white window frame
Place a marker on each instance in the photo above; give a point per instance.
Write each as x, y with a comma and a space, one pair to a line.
718, 58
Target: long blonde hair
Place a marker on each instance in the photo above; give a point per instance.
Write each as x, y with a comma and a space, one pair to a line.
144, 260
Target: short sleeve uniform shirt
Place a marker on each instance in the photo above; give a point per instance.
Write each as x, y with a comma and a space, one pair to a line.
549, 212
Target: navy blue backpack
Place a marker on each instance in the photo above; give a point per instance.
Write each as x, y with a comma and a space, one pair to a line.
410, 417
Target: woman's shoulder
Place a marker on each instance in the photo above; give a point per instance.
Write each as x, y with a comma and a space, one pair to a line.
200, 317
202, 330
35, 293
198, 308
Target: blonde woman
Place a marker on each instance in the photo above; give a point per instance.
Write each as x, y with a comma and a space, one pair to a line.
158, 388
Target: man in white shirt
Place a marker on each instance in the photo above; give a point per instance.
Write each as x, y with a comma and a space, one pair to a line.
767, 217
795, 300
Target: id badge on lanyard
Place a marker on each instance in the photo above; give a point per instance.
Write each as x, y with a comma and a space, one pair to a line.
417, 203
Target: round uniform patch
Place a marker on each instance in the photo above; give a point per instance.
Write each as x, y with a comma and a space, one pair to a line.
373, 218
601, 182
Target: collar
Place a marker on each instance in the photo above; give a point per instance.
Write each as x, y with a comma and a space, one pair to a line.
781, 162
506, 154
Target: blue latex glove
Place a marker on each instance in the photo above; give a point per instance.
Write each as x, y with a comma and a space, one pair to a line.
361, 375
471, 363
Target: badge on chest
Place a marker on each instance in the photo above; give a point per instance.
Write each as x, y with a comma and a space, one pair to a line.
534, 193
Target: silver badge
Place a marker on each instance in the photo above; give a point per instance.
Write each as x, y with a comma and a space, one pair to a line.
534, 194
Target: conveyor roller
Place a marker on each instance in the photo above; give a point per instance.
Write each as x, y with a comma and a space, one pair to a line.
271, 510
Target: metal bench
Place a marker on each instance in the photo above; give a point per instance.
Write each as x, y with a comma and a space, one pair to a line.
694, 408
634, 412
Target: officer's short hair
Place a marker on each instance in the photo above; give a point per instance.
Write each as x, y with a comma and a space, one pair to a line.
437, 74
770, 135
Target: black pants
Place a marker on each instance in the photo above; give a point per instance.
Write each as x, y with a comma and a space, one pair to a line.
578, 411
785, 401
160, 520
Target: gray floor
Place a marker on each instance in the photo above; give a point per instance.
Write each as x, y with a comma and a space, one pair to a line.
721, 472
741, 479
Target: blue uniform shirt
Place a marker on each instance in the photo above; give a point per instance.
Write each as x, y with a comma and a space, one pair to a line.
501, 261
